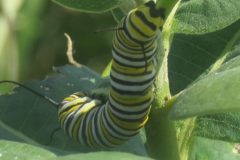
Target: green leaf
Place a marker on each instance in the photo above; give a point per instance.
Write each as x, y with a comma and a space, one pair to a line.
204, 148
204, 16
123, 10
234, 52
213, 93
35, 119
118, 14
231, 64
95, 6
14, 150
224, 126
102, 155
191, 55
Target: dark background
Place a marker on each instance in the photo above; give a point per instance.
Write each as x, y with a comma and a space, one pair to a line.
38, 29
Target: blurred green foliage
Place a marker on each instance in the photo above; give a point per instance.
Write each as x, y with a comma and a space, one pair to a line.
36, 30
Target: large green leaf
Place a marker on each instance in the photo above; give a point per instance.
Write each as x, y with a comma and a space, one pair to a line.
124, 8
224, 126
191, 55
204, 16
214, 93
217, 93
35, 119
206, 149
96, 6
102, 155
15, 150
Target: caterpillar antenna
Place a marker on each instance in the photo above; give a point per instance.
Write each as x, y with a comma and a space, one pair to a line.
32, 91
107, 29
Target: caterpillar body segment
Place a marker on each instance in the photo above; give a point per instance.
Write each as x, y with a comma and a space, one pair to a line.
98, 123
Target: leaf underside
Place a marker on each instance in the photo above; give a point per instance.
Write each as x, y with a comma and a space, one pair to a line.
35, 119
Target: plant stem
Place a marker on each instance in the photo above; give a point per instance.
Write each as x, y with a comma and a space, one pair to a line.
160, 130
185, 138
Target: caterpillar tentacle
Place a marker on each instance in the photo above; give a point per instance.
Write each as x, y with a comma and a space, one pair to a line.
46, 98
107, 124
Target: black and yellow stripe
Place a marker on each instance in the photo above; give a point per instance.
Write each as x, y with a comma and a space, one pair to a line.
133, 71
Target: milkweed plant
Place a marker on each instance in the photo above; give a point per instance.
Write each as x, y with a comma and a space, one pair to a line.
195, 109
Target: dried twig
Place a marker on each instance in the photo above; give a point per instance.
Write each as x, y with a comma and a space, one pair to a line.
70, 51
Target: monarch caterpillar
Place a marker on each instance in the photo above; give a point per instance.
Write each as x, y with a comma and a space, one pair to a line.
93, 122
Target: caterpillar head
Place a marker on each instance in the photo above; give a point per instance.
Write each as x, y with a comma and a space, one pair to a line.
147, 19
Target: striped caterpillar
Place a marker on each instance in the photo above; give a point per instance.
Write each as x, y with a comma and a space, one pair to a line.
98, 123
107, 124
